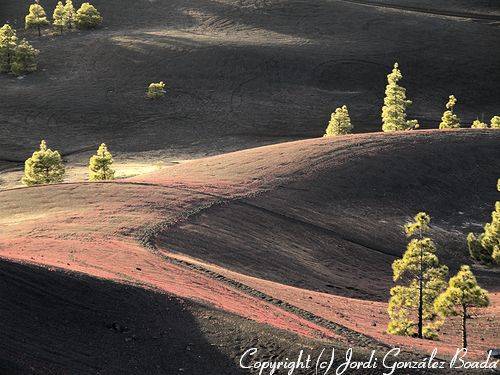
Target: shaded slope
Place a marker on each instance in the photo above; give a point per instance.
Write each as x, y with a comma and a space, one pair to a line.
331, 220
238, 74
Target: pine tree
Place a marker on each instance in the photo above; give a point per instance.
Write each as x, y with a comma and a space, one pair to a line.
478, 124
340, 123
486, 247
69, 14
59, 17
395, 105
8, 43
495, 122
43, 167
462, 293
450, 120
25, 58
36, 18
87, 17
156, 90
100, 165
422, 279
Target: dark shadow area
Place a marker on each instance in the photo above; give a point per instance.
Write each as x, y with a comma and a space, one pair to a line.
57, 323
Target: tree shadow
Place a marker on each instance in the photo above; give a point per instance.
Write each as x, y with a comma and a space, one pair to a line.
53, 323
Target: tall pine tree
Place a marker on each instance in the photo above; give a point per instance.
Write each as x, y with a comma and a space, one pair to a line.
43, 167
100, 165
462, 294
8, 43
421, 279
395, 105
340, 123
59, 19
36, 18
450, 120
69, 14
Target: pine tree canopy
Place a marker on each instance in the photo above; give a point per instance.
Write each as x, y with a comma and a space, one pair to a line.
419, 225
87, 17
450, 120
43, 167
395, 105
100, 165
340, 123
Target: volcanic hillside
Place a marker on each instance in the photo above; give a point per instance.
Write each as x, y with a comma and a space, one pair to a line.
291, 235
241, 73
328, 214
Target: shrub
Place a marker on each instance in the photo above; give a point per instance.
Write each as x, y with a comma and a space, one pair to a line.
477, 124
495, 122
156, 90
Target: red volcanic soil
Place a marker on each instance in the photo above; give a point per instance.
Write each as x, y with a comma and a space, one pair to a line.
287, 230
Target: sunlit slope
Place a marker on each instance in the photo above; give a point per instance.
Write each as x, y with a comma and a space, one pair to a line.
238, 74
331, 217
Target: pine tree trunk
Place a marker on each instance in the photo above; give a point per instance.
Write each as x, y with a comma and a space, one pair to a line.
39, 31
464, 327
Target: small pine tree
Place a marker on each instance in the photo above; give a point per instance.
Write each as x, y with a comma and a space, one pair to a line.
463, 293
43, 167
59, 17
478, 124
486, 247
156, 90
395, 105
87, 17
495, 122
36, 18
100, 165
25, 58
8, 43
69, 14
423, 279
450, 120
340, 123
